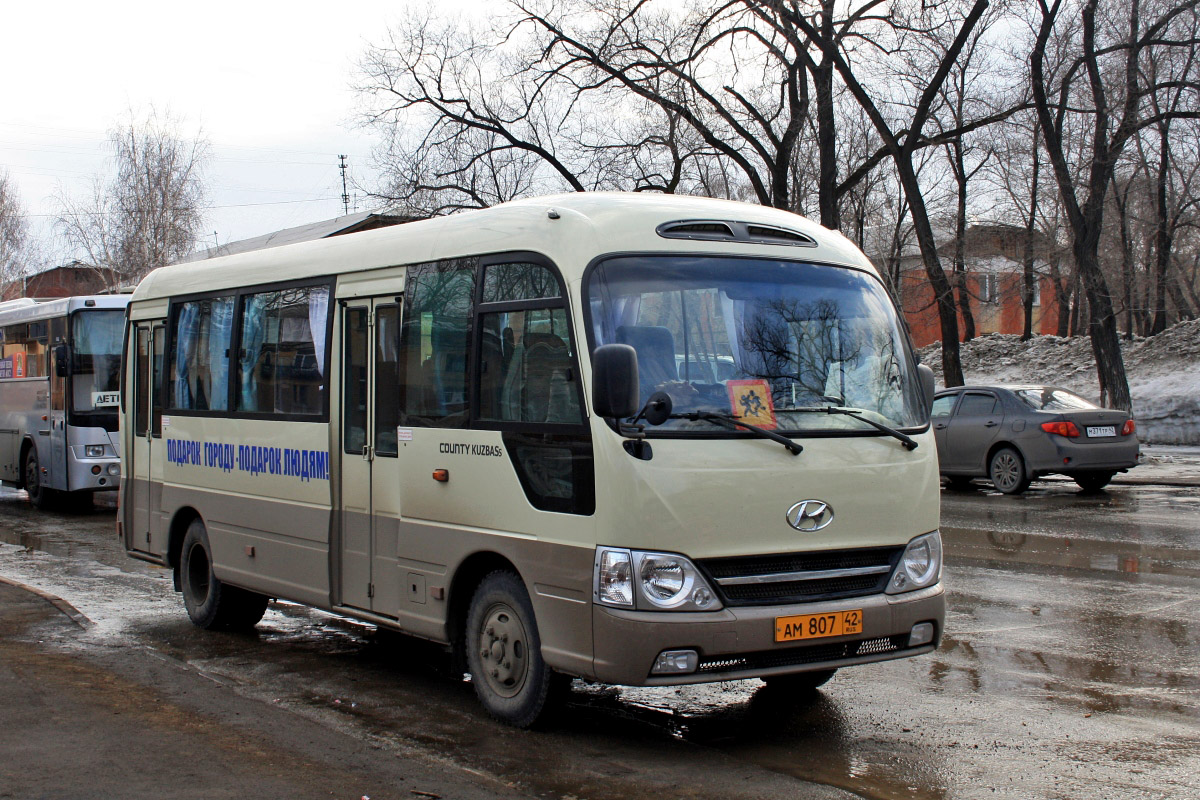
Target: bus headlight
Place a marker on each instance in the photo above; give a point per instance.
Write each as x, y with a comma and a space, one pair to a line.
920, 566
94, 450
651, 581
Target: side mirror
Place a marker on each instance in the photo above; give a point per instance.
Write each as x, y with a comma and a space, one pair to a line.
927, 387
62, 361
615, 387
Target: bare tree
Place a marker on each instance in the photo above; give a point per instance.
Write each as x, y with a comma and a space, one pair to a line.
14, 235
1099, 71
150, 211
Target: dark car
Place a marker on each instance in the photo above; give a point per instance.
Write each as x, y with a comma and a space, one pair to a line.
1015, 434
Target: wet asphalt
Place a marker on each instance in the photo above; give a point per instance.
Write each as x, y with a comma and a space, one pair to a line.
1070, 669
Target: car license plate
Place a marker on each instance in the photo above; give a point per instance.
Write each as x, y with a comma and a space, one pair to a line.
1094, 431
817, 626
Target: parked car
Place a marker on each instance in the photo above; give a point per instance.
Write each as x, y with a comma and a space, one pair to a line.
1015, 434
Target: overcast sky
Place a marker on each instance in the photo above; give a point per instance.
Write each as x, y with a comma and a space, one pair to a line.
268, 83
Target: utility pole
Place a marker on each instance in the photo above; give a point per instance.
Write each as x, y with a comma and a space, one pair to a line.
345, 194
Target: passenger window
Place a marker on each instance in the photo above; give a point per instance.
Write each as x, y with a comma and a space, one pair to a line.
141, 389
526, 372
23, 350
977, 405
282, 354
433, 344
354, 378
942, 406
387, 379
200, 354
507, 282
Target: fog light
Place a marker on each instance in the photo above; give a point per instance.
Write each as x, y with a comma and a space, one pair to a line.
96, 469
675, 662
921, 633
94, 450
114, 469
702, 597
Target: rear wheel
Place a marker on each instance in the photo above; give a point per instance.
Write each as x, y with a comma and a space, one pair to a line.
1007, 471
504, 652
40, 496
210, 603
800, 682
1093, 481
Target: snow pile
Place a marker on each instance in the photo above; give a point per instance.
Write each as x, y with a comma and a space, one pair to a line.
1163, 371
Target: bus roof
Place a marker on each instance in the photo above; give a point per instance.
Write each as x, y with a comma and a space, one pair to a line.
16, 312
570, 229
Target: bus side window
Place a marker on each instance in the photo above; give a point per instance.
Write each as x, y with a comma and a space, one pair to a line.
200, 354
433, 344
281, 358
141, 389
526, 373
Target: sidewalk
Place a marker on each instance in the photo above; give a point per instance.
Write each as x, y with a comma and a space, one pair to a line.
1165, 465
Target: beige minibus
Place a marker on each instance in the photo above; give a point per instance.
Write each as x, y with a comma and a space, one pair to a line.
629, 438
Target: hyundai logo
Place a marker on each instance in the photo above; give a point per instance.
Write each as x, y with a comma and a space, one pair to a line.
810, 515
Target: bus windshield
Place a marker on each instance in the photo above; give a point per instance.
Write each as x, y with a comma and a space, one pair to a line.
771, 342
96, 357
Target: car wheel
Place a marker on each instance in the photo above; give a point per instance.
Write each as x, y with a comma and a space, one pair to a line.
958, 482
504, 651
1093, 481
799, 683
40, 496
1007, 471
210, 603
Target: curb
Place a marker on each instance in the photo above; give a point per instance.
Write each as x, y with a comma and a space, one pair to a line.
74, 614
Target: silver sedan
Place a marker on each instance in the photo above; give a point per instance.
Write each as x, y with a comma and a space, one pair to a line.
1015, 434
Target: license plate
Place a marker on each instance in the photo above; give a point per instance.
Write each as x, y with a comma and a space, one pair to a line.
1101, 430
817, 626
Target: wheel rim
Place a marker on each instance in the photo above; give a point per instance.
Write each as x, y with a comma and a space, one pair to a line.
198, 577
1006, 470
503, 650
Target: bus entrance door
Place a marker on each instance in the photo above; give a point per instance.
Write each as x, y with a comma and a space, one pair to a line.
145, 475
370, 509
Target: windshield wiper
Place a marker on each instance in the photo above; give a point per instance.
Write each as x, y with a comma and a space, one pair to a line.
733, 423
908, 441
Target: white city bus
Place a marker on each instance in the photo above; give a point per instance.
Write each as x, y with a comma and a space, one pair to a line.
635, 439
60, 368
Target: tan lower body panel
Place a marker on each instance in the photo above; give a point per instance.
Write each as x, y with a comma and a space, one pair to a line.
558, 578
275, 547
737, 642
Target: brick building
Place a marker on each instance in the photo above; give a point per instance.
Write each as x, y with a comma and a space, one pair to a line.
994, 269
66, 280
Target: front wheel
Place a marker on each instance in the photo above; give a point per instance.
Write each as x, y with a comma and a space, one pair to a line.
504, 651
1007, 471
210, 603
1093, 481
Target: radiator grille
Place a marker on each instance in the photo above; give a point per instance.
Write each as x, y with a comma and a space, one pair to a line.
800, 590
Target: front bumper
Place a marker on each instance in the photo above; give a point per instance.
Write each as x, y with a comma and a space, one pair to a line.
738, 643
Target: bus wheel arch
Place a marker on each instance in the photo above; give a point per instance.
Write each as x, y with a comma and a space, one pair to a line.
180, 523
26, 446
466, 580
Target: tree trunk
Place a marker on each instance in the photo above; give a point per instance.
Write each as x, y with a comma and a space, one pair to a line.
943, 293
960, 244
1162, 236
827, 186
1030, 223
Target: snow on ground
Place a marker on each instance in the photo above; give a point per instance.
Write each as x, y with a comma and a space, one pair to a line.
1163, 371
